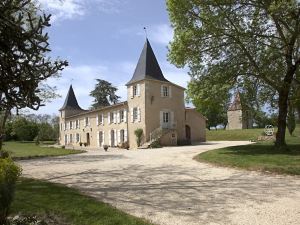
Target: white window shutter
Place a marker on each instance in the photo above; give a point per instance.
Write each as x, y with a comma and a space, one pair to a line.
74, 138
131, 114
161, 115
108, 118
119, 136
109, 138
118, 117
125, 135
79, 137
97, 120
103, 138
162, 91
138, 89
139, 114
125, 115
98, 143
131, 91
170, 91
116, 140
78, 124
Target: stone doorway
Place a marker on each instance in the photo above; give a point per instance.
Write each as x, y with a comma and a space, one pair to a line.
188, 133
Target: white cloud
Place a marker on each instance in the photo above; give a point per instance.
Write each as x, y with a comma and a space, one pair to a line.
70, 9
159, 33
64, 9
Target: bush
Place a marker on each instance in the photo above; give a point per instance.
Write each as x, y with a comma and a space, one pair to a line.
155, 144
138, 133
9, 173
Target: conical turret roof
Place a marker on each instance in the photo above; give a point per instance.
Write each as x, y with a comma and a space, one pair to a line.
147, 66
71, 101
236, 104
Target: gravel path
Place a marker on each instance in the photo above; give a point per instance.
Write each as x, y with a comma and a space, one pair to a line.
167, 187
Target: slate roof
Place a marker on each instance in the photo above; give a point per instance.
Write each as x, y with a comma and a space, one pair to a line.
236, 104
147, 66
71, 101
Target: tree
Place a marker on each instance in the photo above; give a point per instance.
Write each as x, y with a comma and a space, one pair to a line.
211, 100
25, 130
104, 94
24, 63
232, 40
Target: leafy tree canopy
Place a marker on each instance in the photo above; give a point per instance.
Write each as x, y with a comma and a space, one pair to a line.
24, 60
104, 94
224, 42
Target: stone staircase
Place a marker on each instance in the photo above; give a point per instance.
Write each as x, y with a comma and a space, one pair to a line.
155, 135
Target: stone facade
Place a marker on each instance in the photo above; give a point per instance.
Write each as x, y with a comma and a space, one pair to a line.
153, 104
238, 115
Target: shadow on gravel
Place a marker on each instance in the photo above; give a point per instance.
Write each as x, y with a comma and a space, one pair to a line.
195, 197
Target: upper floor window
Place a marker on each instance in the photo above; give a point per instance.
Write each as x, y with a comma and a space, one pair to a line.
165, 91
71, 125
166, 117
100, 119
135, 90
112, 117
135, 114
121, 116
77, 124
86, 121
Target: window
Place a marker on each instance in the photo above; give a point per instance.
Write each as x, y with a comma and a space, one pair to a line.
165, 91
166, 117
121, 116
135, 114
77, 137
86, 121
71, 125
66, 126
71, 138
112, 118
100, 119
135, 90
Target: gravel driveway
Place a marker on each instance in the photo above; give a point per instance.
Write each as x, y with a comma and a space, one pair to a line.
166, 186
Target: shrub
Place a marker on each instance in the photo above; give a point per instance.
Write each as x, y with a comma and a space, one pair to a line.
155, 144
9, 173
63, 146
26, 220
138, 133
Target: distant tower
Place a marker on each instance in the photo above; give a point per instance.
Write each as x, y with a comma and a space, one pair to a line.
69, 108
238, 115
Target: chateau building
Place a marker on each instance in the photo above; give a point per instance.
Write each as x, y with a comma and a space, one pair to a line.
153, 104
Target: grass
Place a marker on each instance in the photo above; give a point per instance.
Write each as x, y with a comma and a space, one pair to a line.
25, 150
233, 135
66, 205
260, 156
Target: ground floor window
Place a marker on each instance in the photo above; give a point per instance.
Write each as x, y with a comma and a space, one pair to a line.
77, 137
122, 136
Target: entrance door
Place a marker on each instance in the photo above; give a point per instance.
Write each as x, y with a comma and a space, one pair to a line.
112, 136
88, 138
188, 133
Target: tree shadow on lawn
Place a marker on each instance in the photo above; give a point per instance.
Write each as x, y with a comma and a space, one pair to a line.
178, 193
260, 149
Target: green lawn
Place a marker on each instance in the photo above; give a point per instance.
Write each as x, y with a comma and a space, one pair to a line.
260, 156
66, 205
233, 135
22, 150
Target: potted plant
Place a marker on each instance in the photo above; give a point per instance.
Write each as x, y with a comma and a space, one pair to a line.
105, 147
80, 143
138, 133
85, 144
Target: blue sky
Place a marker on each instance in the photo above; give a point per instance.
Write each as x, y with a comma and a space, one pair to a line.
103, 39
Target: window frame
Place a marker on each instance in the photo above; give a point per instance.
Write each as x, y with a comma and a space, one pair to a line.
135, 114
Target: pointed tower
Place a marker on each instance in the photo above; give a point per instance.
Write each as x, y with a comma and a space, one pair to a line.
147, 66
151, 98
69, 108
238, 115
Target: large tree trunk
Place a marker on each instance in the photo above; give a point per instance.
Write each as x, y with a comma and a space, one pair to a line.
2, 127
283, 109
